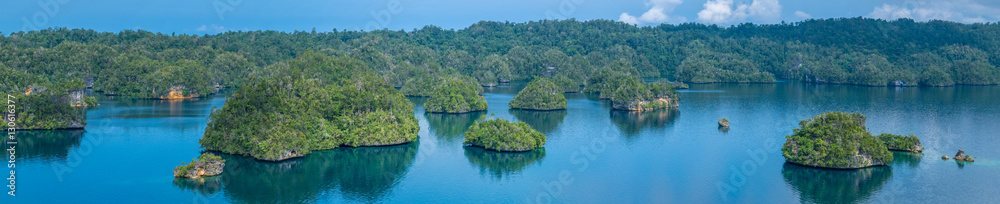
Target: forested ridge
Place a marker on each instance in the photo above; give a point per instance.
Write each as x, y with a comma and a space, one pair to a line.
842, 51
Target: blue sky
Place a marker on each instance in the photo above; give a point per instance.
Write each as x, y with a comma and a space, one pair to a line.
213, 16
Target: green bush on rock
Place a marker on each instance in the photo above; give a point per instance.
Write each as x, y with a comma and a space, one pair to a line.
540, 94
207, 164
907, 143
835, 140
502, 135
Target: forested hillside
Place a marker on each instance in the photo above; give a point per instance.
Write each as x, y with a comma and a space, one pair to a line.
842, 51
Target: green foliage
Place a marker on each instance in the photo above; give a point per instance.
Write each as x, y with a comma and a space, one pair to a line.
832, 140
634, 95
420, 86
289, 115
498, 66
899, 142
502, 135
205, 157
48, 106
456, 95
90, 101
711, 67
858, 51
566, 84
540, 94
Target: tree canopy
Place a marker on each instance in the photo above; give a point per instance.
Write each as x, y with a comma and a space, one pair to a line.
540, 94
501, 135
313, 102
835, 140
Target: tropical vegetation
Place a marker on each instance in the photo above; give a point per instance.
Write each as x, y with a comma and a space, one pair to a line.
835, 140
859, 51
499, 134
908, 143
313, 102
540, 94
456, 95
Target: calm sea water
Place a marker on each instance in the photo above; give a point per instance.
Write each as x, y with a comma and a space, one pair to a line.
593, 154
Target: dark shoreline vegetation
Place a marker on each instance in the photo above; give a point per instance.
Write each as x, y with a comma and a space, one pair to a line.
41, 104
313, 102
857, 51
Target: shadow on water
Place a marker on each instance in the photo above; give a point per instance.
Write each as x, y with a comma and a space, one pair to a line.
364, 174
502, 164
44, 145
451, 127
634, 122
908, 159
543, 121
817, 185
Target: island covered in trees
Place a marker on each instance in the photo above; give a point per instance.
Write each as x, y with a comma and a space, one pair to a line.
502, 135
835, 140
313, 102
456, 95
841, 141
540, 94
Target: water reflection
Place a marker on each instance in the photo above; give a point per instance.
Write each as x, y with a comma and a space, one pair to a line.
634, 122
149, 108
543, 121
815, 185
451, 127
44, 145
909, 159
723, 129
502, 164
365, 174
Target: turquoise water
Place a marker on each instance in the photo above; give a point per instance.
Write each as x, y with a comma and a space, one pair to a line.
593, 154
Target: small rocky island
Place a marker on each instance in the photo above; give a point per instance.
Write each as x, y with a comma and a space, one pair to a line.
504, 136
636, 96
206, 165
960, 156
316, 103
907, 143
456, 95
540, 94
724, 123
835, 140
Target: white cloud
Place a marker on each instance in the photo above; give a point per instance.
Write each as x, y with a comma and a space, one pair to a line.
628, 19
659, 12
966, 11
211, 28
727, 11
765, 10
802, 15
